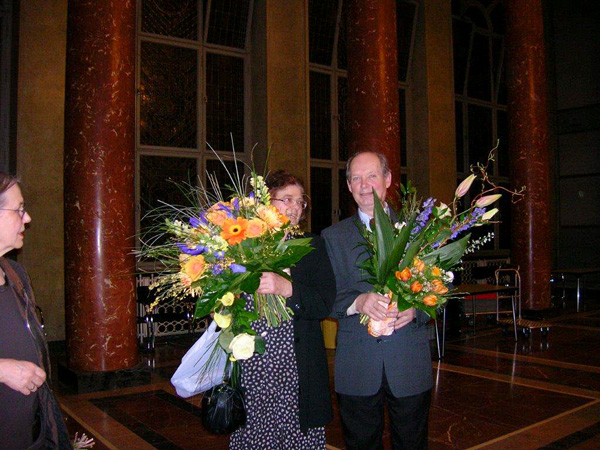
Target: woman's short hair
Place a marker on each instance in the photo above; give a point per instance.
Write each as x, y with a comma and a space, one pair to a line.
6, 182
281, 179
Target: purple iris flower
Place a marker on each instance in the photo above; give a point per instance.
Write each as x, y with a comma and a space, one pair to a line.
197, 250
217, 269
220, 254
473, 217
251, 195
200, 220
236, 268
227, 210
236, 204
423, 217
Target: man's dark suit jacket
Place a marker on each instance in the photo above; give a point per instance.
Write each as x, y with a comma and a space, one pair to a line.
361, 358
313, 296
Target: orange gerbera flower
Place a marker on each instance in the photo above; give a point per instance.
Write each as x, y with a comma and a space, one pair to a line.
234, 230
255, 228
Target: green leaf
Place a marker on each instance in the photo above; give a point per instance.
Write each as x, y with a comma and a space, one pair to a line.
203, 308
250, 283
225, 339
384, 238
411, 252
448, 255
259, 345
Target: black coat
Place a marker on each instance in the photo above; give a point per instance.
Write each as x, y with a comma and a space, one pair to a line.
313, 295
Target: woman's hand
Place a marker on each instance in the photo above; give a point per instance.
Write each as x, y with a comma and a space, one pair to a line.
271, 283
22, 376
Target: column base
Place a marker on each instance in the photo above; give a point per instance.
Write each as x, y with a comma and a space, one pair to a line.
83, 382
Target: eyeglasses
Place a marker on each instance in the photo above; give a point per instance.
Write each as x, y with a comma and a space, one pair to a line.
21, 211
289, 201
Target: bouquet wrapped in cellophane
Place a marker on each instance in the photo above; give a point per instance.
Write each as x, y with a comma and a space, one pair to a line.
410, 261
216, 251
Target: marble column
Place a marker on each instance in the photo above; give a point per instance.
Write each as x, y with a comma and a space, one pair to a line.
372, 49
99, 186
529, 148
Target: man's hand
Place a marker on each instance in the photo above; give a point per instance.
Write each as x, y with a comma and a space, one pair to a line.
22, 376
271, 283
373, 305
403, 318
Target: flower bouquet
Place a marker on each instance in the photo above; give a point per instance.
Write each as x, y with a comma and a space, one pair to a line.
410, 261
216, 252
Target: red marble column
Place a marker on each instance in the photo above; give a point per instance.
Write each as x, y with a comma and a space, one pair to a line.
372, 48
99, 185
529, 148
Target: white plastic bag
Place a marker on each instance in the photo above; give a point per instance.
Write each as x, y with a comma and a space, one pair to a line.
193, 375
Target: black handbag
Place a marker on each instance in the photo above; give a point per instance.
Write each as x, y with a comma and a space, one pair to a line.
223, 409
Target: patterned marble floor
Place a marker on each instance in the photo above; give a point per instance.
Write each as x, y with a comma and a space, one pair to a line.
489, 393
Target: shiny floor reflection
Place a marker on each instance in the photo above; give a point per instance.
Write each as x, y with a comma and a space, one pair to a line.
490, 393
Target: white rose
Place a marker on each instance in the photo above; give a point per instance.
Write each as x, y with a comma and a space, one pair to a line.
449, 277
242, 346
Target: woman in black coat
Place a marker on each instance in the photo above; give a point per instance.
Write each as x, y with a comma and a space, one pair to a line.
288, 402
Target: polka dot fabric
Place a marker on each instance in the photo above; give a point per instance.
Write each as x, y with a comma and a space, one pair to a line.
270, 383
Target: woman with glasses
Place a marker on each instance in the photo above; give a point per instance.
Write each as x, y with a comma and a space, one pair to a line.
286, 389
30, 417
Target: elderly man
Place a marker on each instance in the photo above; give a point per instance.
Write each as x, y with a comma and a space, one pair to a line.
368, 369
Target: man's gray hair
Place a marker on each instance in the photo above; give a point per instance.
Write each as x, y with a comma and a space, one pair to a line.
383, 161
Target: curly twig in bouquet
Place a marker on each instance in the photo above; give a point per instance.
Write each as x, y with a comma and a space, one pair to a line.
215, 252
410, 261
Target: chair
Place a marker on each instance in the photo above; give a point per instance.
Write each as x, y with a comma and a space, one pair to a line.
509, 277
480, 275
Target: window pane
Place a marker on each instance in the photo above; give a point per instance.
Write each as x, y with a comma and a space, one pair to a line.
461, 36
342, 119
405, 14
225, 102
346, 202
476, 15
503, 156
320, 116
158, 178
403, 131
320, 191
342, 56
498, 18
322, 15
497, 55
168, 91
460, 139
228, 22
479, 68
170, 18
480, 133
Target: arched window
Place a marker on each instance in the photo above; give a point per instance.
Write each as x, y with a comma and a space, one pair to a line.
192, 61
480, 96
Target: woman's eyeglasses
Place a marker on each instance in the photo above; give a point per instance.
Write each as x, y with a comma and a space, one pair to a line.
21, 211
289, 201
